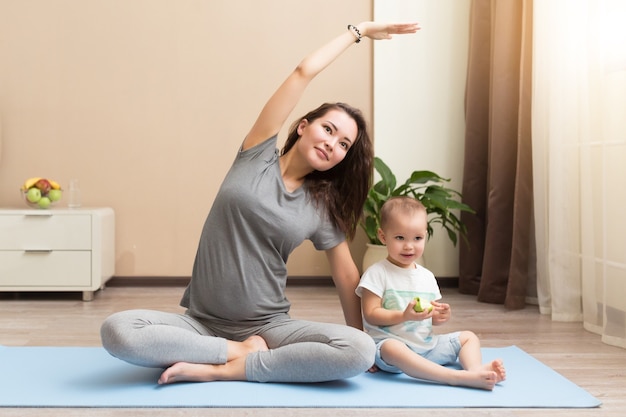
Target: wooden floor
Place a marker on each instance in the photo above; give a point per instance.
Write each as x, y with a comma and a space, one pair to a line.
60, 319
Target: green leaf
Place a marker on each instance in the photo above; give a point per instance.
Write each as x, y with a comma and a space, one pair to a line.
388, 179
422, 177
442, 203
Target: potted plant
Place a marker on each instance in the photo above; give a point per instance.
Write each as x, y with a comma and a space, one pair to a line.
442, 203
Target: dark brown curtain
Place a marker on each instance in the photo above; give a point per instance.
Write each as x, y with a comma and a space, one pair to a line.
497, 178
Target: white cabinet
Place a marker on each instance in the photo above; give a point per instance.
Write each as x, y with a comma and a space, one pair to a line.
57, 249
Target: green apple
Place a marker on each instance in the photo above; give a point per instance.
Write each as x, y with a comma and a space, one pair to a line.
54, 194
33, 195
44, 202
421, 306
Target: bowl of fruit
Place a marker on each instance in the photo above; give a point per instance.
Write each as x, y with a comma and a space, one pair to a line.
41, 192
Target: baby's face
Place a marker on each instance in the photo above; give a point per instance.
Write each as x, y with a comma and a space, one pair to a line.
405, 237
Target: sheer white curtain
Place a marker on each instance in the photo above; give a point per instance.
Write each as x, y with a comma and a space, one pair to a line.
579, 159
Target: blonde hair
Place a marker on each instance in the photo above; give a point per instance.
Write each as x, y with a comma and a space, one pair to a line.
405, 204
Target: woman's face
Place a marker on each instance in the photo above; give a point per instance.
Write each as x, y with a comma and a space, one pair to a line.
325, 141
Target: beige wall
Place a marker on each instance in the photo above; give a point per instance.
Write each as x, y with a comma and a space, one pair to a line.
423, 81
146, 102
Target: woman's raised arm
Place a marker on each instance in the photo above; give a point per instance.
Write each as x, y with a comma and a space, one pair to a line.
282, 102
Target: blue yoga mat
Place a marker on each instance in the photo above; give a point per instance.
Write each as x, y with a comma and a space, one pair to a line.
90, 377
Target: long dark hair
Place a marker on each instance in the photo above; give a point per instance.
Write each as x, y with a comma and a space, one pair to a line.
343, 188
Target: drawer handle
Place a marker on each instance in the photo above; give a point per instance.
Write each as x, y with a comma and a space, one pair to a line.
42, 213
38, 250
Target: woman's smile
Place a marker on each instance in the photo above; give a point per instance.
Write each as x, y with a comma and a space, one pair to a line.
322, 153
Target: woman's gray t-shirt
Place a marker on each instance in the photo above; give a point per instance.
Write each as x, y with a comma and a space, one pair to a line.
240, 271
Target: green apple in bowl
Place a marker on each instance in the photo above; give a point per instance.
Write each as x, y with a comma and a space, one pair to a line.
33, 195
55, 195
44, 202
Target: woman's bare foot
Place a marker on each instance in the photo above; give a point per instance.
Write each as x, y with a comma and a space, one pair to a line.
241, 349
255, 344
191, 372
234, 369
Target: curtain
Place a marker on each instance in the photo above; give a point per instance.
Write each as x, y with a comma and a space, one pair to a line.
497, 263
579, 159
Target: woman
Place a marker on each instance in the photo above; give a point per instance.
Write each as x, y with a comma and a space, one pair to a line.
237, 325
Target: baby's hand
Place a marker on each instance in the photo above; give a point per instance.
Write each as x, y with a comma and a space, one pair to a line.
441, 312
411, 315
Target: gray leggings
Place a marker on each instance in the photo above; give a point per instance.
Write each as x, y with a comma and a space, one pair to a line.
300, 351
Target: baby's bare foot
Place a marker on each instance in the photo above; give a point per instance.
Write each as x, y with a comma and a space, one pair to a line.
497, 366
478, 379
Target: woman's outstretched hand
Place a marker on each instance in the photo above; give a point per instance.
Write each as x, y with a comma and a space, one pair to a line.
374, 30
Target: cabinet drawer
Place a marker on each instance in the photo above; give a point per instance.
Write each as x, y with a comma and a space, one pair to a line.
45, 231
45, 269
